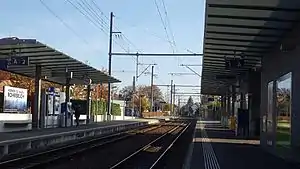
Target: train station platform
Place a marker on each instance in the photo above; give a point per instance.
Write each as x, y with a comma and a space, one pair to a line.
214, 147
13, 143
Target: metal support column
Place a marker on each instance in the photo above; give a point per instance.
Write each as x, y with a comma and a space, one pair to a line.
171, 98
88, 105
228, 104
233, 95
243, 99
109, 67
68, 79
152, 73
36, 117
174, 94
137, 67
178, 105
133, 95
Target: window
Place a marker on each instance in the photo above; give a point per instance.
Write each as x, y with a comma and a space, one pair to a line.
283, 103
269, 116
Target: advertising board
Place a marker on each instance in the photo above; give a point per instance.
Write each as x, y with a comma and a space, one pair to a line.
15, 99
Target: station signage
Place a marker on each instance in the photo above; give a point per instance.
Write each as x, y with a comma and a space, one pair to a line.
234, 63
18, 61
87, 81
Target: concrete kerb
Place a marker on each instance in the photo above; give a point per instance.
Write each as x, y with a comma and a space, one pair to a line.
61, 133
15, 146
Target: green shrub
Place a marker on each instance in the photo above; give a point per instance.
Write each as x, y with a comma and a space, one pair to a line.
99, 107
115, 109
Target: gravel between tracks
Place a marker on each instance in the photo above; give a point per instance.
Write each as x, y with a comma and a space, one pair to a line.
146, 158
175, 157
106, 156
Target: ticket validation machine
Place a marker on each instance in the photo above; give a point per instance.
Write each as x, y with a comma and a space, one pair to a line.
51, 107
67, 112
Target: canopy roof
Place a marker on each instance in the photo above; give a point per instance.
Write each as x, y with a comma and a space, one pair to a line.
236, 28
53, 62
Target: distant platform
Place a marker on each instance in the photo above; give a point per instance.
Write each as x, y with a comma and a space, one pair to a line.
12, 143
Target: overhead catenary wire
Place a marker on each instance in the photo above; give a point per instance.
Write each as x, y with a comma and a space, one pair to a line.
94, 18
102, 13
146, 31
63, 22
104, 24
86, 10
164, 25
88, 15
121, 36
153, 34
169, 24
92, 21
98, 21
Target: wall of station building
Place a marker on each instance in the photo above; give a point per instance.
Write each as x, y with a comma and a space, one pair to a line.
280, 95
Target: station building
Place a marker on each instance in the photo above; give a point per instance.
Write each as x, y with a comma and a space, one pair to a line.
252, 59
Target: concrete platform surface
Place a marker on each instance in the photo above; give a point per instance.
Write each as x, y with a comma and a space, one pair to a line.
150, 121
214, 147
39, 132
17, 143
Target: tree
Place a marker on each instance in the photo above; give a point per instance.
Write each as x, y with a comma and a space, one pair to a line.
166, 107
190, 101
78, 92
142, 103
183, 110
126, 93
146, 90
189, 108
4, 75
99, 91
145, 104
283, 101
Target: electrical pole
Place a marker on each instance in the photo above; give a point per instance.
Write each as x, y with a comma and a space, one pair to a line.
136, 79
174, 98
137, 67
178, 105
152, 73
109, 66
171, 98
133, 93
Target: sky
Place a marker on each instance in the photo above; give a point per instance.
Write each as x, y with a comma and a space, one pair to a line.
62, 26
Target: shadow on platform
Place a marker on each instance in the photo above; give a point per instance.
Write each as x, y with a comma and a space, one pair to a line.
232, 152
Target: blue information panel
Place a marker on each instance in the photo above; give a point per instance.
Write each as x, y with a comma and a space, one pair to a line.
3, 64
18, 61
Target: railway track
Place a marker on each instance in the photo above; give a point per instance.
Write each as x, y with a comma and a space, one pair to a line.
150, 143
149, 156
43, 158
